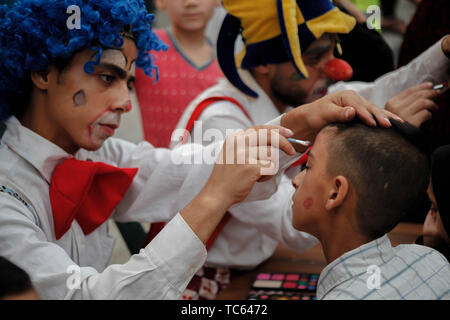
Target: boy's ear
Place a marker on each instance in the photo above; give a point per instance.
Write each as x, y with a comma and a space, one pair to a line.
160, 5
219, 3
338, 193
40, 79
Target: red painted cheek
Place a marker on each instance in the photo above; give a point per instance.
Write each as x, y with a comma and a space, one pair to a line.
308, 203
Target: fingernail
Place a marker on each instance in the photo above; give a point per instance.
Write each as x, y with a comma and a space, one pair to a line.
348, 114
287, 132
399, 119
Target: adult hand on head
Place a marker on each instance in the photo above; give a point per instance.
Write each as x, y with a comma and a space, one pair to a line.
307, 120
415, 104
246, 157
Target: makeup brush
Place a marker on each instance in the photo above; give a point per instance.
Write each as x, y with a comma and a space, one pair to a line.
440, 86
300, 142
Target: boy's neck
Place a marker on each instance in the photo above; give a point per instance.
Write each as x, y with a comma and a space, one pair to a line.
193, 45
341, 244
189, 39
341, 237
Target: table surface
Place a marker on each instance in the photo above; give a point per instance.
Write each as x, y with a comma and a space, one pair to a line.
310, 261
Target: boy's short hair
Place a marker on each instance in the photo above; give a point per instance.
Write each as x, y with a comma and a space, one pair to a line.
13, 280
387, 167
34, 34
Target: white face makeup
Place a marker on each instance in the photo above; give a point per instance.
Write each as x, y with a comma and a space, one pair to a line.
115, 57
104, 127
109, 56
107, 122
133, 69
79, 98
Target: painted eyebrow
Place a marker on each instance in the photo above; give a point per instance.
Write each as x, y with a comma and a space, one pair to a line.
121, 51
122, 74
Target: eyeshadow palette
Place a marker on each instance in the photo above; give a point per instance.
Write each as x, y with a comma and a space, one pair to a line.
298, 282
279, 295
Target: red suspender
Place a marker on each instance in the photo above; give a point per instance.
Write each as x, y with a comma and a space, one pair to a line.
205, 104
157, 227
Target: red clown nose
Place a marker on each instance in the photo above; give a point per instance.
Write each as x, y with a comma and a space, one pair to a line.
338, 70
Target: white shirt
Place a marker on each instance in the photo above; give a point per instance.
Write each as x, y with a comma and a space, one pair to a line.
405, 272
262, 226
159, 191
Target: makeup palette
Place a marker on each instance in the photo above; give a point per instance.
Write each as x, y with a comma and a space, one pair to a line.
298, 282
279, 295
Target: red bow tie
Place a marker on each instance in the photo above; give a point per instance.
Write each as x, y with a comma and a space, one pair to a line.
87, 192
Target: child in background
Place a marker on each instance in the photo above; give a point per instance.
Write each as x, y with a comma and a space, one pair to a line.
436, 228
187, 68
357, 185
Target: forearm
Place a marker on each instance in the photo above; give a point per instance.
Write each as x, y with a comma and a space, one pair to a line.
204, 213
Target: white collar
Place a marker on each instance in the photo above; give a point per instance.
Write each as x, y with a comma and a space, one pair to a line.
35, 149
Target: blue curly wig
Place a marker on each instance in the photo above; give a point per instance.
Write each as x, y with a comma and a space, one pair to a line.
34, 35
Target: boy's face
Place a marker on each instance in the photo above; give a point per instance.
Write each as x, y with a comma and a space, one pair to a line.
85, 109
312, 185
188, 15
289, 87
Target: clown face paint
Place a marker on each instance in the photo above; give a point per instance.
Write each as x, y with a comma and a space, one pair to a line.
133, 69
83, 108
79, 98
114, 57
103, 127
308, 203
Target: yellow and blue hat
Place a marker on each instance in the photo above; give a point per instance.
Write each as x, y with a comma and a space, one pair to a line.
275, 31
